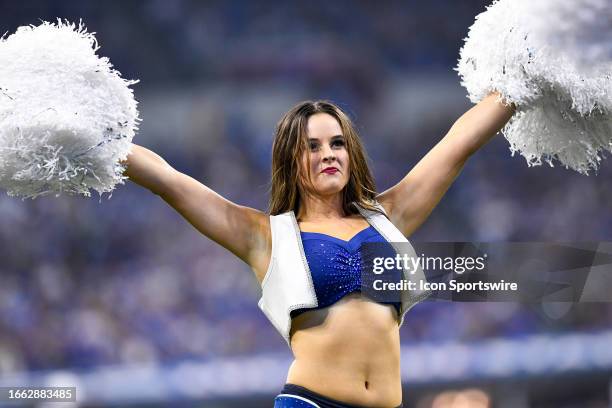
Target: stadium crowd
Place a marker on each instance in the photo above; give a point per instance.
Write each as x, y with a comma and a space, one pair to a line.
87, 282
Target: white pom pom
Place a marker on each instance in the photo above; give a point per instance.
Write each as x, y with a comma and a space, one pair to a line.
523, 50
66, 116
579, 28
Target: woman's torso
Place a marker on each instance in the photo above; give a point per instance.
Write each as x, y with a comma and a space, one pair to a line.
348, 351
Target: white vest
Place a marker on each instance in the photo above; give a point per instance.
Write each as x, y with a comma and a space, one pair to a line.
288, 286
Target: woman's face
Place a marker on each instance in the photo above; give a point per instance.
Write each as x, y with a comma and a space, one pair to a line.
329, 161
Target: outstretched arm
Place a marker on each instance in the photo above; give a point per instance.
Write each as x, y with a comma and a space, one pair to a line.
242, 230
148, 169
410, 202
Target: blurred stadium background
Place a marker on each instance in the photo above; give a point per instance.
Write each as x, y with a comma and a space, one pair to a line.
125, 300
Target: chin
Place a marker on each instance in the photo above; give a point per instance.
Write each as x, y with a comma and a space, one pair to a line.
331, 188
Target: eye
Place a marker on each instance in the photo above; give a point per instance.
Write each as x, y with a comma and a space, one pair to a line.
338, 143
313, 145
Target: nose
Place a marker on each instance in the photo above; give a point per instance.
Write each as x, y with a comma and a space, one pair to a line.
328, 155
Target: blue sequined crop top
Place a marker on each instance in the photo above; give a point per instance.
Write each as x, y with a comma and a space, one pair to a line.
336, 266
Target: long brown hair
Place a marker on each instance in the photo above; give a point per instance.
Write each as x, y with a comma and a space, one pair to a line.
290, 143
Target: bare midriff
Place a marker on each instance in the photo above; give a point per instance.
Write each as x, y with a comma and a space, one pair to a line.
349, 352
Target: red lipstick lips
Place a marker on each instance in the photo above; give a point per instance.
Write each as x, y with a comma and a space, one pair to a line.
330, 170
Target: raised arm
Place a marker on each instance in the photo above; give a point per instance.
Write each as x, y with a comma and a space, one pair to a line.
242, 230
410, 202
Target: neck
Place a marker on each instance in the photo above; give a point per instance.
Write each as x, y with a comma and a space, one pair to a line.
320, 207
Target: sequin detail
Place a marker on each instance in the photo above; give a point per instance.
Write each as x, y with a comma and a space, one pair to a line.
290, 401
336, 266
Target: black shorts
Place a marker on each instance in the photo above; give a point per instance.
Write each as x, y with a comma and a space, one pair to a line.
294, 396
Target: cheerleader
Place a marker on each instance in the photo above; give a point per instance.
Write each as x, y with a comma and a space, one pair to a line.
305, 250
323, 207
